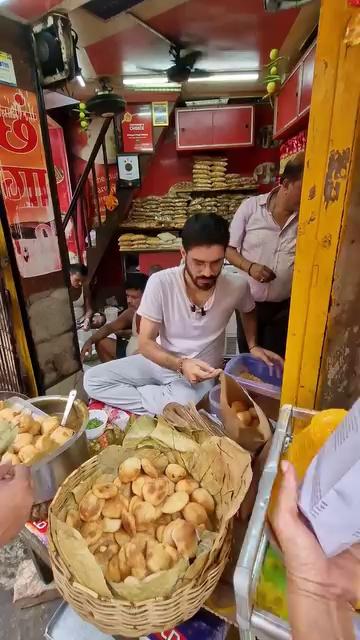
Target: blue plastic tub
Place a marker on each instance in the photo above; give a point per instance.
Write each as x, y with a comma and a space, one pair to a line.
214, 401
271, 377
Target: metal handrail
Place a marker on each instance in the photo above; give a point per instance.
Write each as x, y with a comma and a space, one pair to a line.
90, 163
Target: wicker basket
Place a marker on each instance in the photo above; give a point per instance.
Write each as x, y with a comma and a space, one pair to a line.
119, 617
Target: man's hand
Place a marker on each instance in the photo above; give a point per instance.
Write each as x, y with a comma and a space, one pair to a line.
16, 499
261, 273
309, 570
86, 325
269, 357
86, 350
198, 371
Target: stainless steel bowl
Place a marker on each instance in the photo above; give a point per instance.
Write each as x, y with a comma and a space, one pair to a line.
50, 472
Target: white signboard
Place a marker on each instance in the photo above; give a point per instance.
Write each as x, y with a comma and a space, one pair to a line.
7, 71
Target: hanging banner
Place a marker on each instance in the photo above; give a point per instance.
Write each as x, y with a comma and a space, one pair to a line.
61, 166
137, 129
291, 147
24, 184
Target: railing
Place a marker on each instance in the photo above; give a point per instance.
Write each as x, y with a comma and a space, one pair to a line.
10, 377
78, 212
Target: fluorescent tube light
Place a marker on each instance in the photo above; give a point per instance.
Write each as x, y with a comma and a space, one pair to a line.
244, 76
149, 81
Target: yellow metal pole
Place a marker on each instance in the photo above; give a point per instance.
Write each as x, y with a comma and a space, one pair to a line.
329, 155
20, 338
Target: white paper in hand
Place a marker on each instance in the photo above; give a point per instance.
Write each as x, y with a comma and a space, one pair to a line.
330, 496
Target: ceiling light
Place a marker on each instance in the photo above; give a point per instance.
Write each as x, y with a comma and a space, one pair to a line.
149, 81
80, 80
243, 76
206, 103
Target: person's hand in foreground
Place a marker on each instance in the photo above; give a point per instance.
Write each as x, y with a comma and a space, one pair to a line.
269, 357
16, 499
319, 588
197, 371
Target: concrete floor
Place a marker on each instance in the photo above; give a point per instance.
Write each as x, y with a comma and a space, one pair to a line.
15, 623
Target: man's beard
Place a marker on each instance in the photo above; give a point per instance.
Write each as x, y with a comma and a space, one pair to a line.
202, 283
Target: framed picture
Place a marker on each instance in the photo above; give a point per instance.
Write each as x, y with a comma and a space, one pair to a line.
129, 170
160, 114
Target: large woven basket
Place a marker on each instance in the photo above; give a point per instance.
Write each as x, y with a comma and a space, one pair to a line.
119, 617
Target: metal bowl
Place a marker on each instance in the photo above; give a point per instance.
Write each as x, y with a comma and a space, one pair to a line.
50, 472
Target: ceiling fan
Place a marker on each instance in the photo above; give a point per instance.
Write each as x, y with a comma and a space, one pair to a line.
183, 65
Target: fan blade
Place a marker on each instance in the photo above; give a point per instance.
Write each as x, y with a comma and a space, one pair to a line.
200, 73
156, 71
191, 58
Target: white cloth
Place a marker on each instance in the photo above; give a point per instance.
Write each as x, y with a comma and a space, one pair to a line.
79, 309
133, 346
260, 239
140, 386
188, 333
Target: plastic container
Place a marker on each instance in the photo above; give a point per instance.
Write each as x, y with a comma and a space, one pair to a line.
93, 434
214, 401
265, 393
271, 377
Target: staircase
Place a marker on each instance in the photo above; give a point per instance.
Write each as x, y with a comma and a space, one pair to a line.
84, 224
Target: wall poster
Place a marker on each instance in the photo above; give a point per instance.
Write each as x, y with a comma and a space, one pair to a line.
137, 129
24, 184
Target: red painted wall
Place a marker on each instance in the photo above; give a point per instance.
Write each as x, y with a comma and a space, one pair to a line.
169, 166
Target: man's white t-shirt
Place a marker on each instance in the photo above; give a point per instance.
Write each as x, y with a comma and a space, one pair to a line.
186, 332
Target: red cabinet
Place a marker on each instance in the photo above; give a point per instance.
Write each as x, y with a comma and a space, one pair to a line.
193, 128
287, 104
293, 101
307, 78
214, 128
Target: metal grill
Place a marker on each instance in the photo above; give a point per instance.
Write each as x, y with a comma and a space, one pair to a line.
10, 379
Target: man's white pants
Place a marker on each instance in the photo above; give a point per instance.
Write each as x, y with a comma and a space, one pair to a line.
140, 386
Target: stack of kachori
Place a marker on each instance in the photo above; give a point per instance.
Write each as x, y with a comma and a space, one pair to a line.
145, 520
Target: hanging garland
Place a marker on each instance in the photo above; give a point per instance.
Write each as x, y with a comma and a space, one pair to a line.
83, 115
272, 80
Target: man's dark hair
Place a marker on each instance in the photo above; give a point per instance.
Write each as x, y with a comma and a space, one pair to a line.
294, 169
136, 281
205, 230
81, 269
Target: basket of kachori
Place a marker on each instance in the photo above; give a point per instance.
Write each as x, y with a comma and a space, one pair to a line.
140, 534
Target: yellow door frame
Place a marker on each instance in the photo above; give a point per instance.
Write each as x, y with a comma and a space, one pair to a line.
334, 118
17, 322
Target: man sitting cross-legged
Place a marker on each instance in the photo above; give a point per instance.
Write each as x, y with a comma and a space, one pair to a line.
184, 312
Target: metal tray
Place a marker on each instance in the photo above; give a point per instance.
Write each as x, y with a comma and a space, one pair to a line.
254, 623
66, 624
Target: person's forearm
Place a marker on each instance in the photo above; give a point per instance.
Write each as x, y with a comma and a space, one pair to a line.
235, 258
101, 333
317, 616
154, 352
249, 322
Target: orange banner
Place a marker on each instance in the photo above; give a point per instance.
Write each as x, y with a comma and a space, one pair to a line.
24, 184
